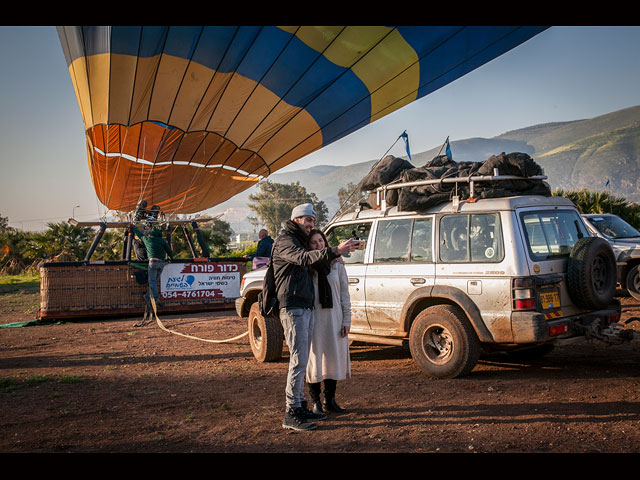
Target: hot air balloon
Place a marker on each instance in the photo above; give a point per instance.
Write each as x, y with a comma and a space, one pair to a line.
185, 117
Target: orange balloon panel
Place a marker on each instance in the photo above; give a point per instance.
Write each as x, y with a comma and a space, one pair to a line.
146, 167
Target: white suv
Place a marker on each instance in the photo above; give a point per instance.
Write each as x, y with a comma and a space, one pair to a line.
517, 274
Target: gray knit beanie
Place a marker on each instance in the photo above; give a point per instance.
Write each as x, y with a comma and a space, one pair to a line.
303, 210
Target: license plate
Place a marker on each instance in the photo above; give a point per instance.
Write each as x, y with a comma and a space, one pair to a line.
549, 300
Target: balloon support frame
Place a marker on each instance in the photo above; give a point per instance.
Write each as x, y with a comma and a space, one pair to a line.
102, 288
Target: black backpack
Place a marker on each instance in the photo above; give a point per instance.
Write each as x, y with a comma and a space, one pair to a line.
268, 297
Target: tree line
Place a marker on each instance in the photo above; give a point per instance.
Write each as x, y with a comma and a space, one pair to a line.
271, 207
61, 242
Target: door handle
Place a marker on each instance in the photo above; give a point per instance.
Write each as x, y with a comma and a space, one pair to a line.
353, 281
417, 281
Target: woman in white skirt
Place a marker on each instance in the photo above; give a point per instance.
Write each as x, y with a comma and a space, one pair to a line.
329, 359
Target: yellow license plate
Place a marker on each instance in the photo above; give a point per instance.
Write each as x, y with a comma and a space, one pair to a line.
549, 300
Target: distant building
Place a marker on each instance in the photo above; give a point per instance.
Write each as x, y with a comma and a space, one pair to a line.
243, 240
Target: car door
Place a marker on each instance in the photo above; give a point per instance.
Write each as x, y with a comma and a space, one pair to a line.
402, 261
356, 268
471, 259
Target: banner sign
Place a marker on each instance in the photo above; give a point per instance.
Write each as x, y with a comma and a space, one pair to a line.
200, 280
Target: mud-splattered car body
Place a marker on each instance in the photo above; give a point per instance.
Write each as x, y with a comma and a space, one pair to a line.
466, 277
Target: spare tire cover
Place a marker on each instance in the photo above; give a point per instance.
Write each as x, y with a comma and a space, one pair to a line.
591, 273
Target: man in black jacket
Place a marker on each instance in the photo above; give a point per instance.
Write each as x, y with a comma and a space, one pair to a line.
263, 251
291, 262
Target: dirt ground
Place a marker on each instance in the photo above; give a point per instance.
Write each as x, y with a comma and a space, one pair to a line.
103, 385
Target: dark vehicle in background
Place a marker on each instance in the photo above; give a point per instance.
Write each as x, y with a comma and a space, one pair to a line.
625, 241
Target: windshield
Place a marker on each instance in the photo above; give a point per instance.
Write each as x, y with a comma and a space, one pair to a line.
612, 226
552, 234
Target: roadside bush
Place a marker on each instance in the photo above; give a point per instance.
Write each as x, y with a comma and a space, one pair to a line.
602, 202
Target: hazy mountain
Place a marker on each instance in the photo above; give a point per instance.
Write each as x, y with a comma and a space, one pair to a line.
577, 154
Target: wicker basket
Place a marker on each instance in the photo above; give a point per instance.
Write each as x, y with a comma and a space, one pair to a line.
87, 289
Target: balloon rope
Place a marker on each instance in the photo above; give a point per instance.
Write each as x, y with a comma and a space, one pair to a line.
193, 177
153, 164
113, 178
162, 327
372, 167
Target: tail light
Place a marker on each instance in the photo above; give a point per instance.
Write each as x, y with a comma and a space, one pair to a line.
558, 329
524, 294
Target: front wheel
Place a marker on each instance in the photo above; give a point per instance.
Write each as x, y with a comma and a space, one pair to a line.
266, 336
443, 342
633, 282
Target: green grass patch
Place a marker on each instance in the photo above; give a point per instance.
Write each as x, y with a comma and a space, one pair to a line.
19, 297
36, 380
10, 384
24, 282
71, 379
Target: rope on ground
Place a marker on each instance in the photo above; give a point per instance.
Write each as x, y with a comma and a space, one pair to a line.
155, 313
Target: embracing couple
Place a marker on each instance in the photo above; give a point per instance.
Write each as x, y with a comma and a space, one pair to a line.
315, 312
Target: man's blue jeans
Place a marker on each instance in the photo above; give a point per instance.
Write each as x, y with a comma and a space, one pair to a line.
298, 329
155, 268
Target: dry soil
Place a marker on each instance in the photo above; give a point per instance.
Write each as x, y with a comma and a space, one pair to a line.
103, 385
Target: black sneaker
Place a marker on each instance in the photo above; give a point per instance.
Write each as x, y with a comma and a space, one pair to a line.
310, 415
297, 420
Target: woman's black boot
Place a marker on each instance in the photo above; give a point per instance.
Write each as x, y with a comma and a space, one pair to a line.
330, 397
314, 393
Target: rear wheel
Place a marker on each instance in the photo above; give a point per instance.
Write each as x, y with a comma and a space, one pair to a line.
633, 282
443, 343
266, 336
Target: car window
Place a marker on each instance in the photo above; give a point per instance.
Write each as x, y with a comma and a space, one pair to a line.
421, 250
613, 227
392, 241
552, 233
358, 231
485, 238
471, 238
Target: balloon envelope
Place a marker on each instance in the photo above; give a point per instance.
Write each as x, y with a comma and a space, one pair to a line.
185, 117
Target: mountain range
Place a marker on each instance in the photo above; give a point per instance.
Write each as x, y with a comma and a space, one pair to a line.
599, 154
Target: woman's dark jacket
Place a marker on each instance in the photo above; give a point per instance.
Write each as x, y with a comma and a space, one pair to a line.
291, 262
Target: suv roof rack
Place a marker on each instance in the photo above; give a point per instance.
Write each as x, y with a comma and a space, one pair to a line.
381, 191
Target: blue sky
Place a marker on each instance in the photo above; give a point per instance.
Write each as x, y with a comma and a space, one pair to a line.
565, 73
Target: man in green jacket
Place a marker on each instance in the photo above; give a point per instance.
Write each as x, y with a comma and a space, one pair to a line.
157, 250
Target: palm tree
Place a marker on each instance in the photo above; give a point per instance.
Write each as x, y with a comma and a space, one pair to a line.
110, 246
14, 258
61, 241
602, 202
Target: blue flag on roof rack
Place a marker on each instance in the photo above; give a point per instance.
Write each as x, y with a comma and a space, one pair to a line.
448, 149
405, 137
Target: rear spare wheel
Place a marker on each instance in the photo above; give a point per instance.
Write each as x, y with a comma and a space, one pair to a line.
591, 273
